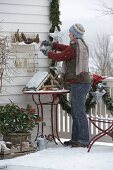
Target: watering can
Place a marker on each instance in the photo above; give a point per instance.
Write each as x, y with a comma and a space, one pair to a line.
42, 143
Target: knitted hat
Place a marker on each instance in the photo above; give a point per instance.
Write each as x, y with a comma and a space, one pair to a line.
77, 30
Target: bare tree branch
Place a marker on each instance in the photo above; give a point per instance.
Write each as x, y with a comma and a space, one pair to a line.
102, 55
5, 68
106, 7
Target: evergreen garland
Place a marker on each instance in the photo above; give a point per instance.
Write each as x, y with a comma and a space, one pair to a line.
107, 99
54, 16
65, 104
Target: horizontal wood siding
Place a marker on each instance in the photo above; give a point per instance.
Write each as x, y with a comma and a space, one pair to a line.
27, 16
24, 9
26, 2
25, 27
32, 18
27, 19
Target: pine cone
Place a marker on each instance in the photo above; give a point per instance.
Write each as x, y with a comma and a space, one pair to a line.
37, 39
17, 36
23, 36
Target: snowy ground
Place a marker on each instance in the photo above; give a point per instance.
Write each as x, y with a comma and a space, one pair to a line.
64, 158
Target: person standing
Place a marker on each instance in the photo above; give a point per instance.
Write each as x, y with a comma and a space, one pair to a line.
75, 59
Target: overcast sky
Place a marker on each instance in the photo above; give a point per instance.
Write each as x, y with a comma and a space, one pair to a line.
85, 12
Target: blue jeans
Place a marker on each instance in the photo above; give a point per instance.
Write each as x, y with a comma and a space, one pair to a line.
80, 130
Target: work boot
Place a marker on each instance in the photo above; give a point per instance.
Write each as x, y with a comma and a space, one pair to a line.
68, 143
77, 144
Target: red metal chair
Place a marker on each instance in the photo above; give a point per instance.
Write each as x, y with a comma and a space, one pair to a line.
102, 132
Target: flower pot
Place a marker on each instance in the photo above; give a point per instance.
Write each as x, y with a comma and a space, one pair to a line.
17, 138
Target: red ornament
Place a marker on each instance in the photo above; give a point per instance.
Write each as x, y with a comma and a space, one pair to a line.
97, 79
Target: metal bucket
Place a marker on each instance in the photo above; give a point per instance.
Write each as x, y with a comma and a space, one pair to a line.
42, 143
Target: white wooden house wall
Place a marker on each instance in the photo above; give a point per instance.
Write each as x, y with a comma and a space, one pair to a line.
30, 17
